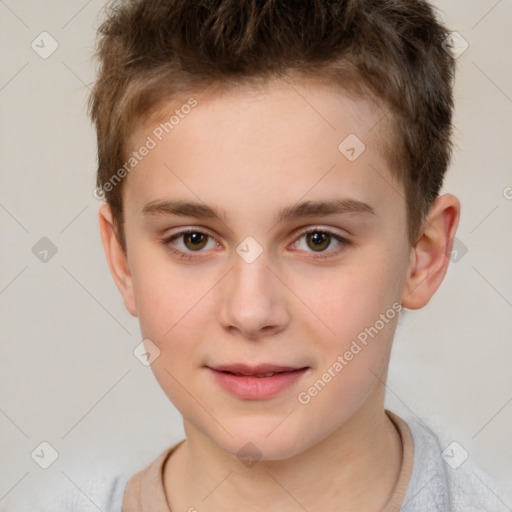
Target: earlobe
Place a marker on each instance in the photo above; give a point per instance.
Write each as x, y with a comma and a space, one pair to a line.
430, 255
117, 258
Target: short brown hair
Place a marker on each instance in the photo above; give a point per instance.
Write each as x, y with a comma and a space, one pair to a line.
152, 51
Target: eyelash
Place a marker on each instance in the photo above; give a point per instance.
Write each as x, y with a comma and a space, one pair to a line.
186, 255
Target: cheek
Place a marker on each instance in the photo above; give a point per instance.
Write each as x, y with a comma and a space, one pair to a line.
358, 306
348, 299
164, 295
169, 309
172, 305
351, 361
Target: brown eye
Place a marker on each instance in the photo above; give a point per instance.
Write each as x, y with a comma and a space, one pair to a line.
318, 240
186, 243
322, 242
195, 240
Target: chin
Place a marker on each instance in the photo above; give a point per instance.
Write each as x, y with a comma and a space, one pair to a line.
263, 441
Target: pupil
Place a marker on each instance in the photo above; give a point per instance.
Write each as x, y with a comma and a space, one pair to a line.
195, 239
317, 238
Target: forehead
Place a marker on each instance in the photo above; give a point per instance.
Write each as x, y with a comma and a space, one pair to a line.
313, 104
283, 140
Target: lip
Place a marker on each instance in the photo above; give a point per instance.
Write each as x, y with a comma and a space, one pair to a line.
253, 370
250, 387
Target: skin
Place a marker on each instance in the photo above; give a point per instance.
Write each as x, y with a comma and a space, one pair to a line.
251, 152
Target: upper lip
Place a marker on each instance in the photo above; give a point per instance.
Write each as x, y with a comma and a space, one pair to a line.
254, 370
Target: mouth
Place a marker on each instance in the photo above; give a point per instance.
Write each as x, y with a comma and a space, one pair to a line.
257, 382
268, 374
260, 370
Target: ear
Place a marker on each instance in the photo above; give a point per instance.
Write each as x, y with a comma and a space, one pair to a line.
430, 255
117, 258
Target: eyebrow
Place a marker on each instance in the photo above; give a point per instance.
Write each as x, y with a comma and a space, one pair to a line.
186, 208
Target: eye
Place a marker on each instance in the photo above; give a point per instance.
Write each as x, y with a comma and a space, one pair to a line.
319, 240
193, 240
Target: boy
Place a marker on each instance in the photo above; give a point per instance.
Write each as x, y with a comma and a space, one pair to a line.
272, 173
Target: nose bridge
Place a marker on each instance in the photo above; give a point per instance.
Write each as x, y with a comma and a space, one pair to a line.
251, 272
251, 279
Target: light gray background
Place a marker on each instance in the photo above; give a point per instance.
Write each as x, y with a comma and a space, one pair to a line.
68, 375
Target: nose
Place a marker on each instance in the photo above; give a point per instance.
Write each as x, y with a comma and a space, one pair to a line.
252, 300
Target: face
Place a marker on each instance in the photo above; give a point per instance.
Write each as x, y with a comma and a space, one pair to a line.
298, 279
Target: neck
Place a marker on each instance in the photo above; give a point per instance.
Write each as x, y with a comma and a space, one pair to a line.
335, 474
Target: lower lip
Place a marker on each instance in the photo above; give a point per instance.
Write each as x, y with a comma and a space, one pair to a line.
257, 388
